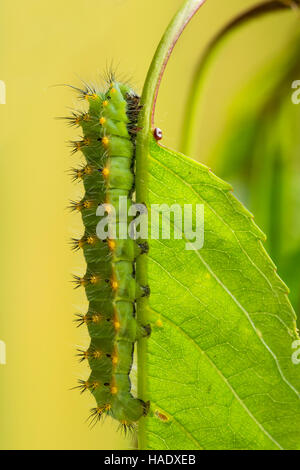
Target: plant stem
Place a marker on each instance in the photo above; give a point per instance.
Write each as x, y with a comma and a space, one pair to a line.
146, 123
190, 121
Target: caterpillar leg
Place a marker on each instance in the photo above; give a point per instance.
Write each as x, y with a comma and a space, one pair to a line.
142, 248
143, 331
142, 291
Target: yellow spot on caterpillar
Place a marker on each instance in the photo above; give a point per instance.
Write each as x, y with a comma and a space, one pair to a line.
92, 96
159, 323
87, 204
105, 172
97, 354
102, 121
88, 170
105, 103
96, 318
91, 240
116, 322
111, 244
94, 279
105, 141
114, 284
114, 390
114, 360
113, 90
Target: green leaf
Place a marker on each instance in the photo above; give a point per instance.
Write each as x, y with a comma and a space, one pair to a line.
291, 269
219, 370
217, 367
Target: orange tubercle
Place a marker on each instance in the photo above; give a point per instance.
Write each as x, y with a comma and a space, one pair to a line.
97, 354
105, 172
105, 141
91, 240
115, 360
88, 170
94, 279
93, 96
96, 318
87, 204
111, 244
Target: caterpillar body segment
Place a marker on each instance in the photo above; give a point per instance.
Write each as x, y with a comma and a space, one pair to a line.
109, 128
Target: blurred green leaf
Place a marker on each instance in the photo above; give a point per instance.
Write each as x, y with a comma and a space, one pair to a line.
259, 154
190, 121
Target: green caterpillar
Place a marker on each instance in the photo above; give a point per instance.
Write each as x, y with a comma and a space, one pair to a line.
108, 145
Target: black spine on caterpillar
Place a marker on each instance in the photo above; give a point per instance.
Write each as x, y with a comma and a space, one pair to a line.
108, 144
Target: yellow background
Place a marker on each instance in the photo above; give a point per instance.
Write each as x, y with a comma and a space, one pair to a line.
48, 42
